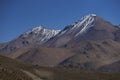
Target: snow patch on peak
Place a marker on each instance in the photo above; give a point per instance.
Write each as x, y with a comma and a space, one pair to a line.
40, 34
34, 30
86, 19
80, 26
41, 30
92, 14
37, 28
86, 23
49, 34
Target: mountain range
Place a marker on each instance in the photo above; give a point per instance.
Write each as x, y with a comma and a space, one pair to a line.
91, 43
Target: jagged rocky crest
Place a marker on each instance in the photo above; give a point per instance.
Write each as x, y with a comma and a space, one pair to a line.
40, 34
82, 25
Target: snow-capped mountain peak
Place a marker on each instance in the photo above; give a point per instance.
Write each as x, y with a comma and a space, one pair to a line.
37, 29
85, 23
42, 30
40, 34
81, 26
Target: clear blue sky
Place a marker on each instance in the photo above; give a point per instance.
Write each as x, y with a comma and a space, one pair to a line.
18, 16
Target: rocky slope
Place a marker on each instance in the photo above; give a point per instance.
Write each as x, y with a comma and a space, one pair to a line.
33, 37
89, 28
90, 43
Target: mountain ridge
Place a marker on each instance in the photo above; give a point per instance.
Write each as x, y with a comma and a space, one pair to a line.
91, 43
84, 29
37, 35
